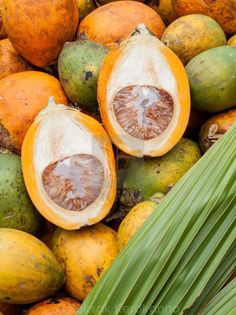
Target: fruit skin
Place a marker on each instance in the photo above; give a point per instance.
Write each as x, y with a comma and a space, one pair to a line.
192, 34
145, 177
10, 61
55, 306
2, 30
215, 127
212, 78
232, 41
165, 9
85, 254
10, 309
55, 22
113, 23
223, 11
133, 221
103, 2
16, 208
79, 66
29, 271
22, 96
85, 7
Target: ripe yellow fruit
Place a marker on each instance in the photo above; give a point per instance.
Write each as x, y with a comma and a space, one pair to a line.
192, 34
85, 254
134, 219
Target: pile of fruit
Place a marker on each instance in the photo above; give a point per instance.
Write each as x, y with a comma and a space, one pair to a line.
116, 196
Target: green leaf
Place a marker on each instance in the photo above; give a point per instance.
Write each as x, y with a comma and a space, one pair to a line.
172, 257
219, 278
224, 302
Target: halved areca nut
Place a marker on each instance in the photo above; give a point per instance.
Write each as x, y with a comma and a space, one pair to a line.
143, 95
69, 168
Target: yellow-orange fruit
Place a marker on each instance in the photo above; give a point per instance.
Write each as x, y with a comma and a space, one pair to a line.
10, 61
192, 34
114, 22
2, 30
85, 255
102, 2
223, 11
143, 95
55, 306
165, 9
39, 29
69, 167
22, 96
133, 221
232, 41
29, 271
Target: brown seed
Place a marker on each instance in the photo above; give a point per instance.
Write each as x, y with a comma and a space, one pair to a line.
143, 111
74, 182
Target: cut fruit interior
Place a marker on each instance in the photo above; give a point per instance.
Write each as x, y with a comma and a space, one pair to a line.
68, 166
143, 111
143, 95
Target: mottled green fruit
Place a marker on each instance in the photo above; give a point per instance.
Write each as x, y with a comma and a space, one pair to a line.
212, 77
85, 7
79, 67
145, 177
16, 209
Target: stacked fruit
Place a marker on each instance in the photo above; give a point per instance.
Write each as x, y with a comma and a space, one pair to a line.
103, 109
